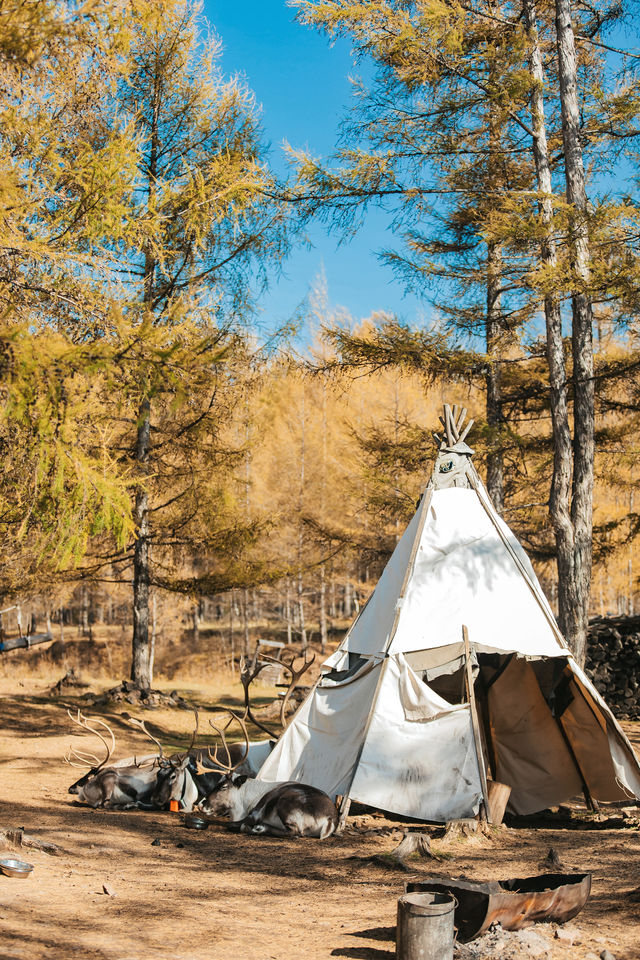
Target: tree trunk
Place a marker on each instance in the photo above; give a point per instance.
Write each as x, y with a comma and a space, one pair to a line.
302, 479
574, 595
323, 609
348, 601
142, 648
570, 501
85, 609
495, 460
630, 605
245, 622
232, 644
560, 496
287, 610
333, 603
494, 325
142, 653
195, 620
301, 616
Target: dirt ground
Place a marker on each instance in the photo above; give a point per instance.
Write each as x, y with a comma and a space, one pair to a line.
218, 896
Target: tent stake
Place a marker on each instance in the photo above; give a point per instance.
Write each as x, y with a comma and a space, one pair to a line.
484, 812
344, 813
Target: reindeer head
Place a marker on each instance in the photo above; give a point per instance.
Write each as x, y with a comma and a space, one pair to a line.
170, 780
219, 801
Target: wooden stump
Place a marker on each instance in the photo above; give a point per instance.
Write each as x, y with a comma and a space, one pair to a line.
499, 794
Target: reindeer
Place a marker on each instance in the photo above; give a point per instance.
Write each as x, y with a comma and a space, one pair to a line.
179, 778
276, 809
124, 784
188, 778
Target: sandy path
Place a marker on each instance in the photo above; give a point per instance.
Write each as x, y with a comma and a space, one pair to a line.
220, 896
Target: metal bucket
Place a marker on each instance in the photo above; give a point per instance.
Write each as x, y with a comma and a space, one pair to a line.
425, 927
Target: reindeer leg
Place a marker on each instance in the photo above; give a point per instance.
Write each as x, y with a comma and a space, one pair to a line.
108, 786
262, 828
272, 819
269, 830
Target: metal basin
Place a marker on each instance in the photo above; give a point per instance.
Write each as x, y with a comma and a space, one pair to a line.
16, 868
513, 903
194, 822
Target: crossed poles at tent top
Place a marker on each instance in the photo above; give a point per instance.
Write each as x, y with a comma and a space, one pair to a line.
452, 422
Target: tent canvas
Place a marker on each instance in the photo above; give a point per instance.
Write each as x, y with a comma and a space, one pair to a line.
389, 724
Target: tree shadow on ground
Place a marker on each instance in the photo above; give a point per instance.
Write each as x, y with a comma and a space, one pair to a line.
43, 716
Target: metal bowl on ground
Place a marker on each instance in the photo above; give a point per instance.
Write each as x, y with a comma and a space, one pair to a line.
194, 822
16, 868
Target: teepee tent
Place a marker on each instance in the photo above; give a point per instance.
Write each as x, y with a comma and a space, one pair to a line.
411, 717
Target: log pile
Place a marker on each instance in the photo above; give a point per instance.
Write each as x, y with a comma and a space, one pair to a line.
613, 663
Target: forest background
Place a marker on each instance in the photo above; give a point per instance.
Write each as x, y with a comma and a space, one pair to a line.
170, 460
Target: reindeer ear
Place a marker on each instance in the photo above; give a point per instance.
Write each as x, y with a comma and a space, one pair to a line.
238, 781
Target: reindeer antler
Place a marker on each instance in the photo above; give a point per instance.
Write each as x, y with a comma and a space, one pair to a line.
248, 673
141, 724
195, 730
85, 758
295, 676
228, 767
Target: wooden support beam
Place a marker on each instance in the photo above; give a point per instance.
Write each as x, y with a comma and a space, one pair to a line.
591, 803
449, 424
31, 640
466, 430
484, 813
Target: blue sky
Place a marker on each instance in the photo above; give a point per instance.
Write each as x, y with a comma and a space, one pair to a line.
302, 85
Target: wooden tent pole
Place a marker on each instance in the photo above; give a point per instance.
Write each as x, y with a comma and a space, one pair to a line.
475, 724
591, 803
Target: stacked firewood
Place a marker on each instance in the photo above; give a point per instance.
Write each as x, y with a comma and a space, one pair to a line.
613, 663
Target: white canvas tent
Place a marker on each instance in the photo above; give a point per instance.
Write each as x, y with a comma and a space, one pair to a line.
389, 722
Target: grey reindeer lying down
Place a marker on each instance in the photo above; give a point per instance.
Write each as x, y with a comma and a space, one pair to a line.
258, 806
275, 809
122, 784
151, 781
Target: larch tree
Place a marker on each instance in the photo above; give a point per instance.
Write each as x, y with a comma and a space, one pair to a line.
434, 137
428, 59
204, 227
65, 176
593, 120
